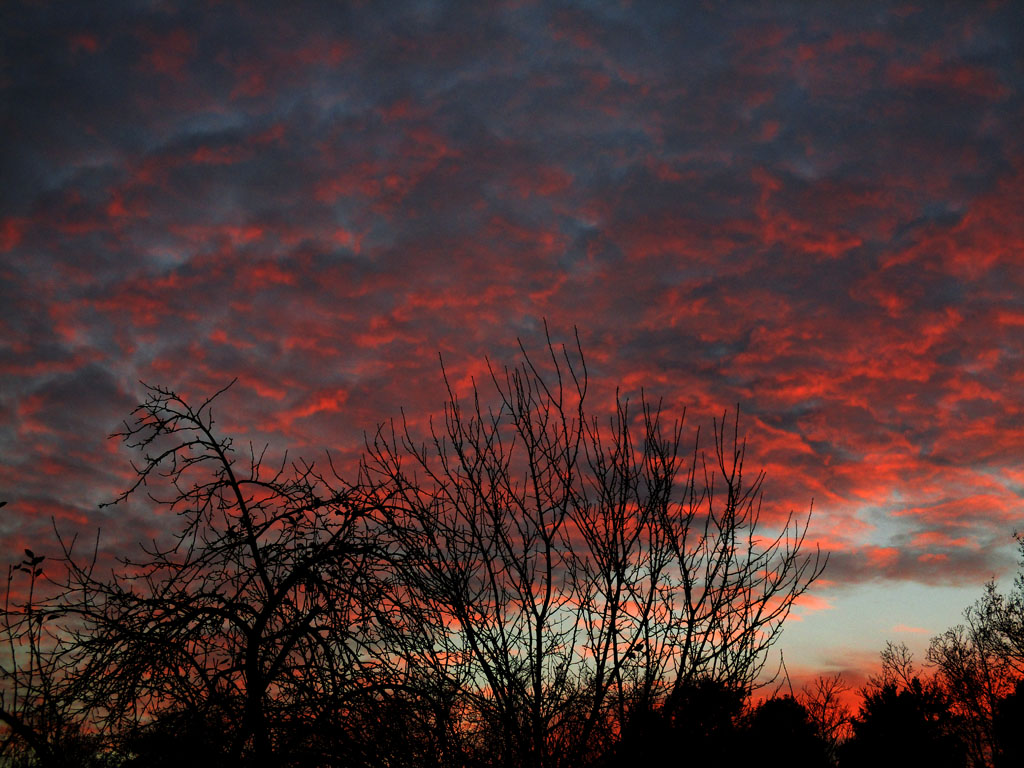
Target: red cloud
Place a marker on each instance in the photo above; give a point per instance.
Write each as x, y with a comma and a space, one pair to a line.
169, 53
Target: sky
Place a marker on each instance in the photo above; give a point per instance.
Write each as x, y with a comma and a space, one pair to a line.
808, 210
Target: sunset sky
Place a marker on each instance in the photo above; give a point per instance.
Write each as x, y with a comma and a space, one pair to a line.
812, 210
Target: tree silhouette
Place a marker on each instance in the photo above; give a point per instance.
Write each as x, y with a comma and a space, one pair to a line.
823, 700
1001, 618
974, 680
710, 723
704, 715
1007, 738
529, 584
903, 720
979, 663
39, 707
780, 732
250, 617
559, 571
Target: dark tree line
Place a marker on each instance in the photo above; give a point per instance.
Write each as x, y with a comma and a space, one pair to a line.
925, 717
964, 709
527, 584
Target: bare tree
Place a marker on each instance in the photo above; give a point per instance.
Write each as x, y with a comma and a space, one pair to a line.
40, 715
1000, 619
823, 698
252, 618
898, 668
560, 570
980, 662
515, 587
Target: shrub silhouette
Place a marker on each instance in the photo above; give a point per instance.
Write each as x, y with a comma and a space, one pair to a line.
1007, 722
704, 715
779, 732
900, 726
710, 723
